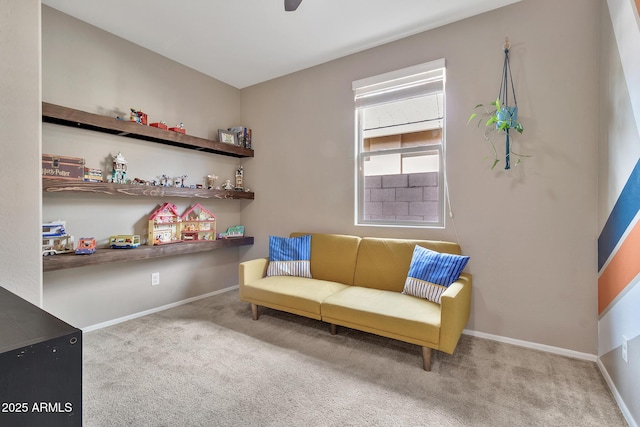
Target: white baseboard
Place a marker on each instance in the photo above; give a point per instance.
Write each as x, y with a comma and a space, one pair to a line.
156, 309
616, 395
542, 347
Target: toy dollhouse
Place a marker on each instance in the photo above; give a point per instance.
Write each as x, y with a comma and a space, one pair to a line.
197, 223
164, 225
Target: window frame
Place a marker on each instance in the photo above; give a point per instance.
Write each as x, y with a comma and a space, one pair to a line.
407, 82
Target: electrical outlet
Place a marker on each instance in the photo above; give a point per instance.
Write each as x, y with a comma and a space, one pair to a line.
625, 349
155, 279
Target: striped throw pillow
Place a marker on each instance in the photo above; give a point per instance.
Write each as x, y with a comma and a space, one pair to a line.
431, 273
289, 256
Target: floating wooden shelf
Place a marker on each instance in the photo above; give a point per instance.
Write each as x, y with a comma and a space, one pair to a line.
105, 256
57, 114
80, 119
65, 186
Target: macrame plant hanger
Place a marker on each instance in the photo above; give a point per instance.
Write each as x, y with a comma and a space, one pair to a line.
507, 116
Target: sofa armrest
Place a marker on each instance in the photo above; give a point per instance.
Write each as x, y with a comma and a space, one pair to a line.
250, 271
455, 308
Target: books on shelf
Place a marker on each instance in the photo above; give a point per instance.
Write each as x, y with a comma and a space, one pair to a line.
243, 136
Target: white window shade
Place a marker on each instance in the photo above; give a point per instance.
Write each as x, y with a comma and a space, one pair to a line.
412, 115
419, 80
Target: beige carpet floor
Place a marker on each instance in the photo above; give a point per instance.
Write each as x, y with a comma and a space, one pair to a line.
208, 364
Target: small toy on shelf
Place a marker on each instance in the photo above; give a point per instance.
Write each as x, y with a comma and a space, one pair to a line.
119, 169
54, 228
211, 181
179, 128
62, 167
179, 182
235, 231
239, 179
140, 181
124, 241
163, 225
198, 224
138, 117
86, 246
160, 125
227, 185
93, 175
57, 245
55, 239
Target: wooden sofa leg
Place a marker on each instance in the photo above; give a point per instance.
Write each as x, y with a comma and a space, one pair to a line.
254, 311
333, 329
426, 358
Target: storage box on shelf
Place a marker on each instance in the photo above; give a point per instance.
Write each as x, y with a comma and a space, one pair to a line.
62, 167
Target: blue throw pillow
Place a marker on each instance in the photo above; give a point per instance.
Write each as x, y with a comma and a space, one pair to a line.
289, 256
431, 273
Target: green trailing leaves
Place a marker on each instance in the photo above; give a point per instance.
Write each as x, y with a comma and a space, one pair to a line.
497, 118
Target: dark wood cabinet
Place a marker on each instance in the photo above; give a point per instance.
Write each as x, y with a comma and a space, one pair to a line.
40, 366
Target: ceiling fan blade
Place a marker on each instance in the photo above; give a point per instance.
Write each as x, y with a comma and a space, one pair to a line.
291, 5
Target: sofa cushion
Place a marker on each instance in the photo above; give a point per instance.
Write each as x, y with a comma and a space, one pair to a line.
289, 256
431, 273
333, 256
299, 293
391, 312
384, 263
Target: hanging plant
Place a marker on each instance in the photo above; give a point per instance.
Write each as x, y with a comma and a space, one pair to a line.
499, 117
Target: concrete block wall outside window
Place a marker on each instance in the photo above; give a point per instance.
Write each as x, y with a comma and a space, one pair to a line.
402, 197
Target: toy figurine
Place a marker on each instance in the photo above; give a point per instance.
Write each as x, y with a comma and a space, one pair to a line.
138, 116
119, 169
239, 179
140, 181
134, 117
227, 185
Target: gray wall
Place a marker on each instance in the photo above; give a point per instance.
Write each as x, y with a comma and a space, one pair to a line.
530, 232
91, 70
20, 206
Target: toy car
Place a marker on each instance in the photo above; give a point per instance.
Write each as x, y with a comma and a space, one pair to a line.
86, 246
124, 241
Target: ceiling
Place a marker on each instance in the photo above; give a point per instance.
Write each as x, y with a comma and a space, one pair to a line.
245, 42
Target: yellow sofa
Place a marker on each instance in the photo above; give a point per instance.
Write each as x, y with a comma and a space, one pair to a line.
357, 283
